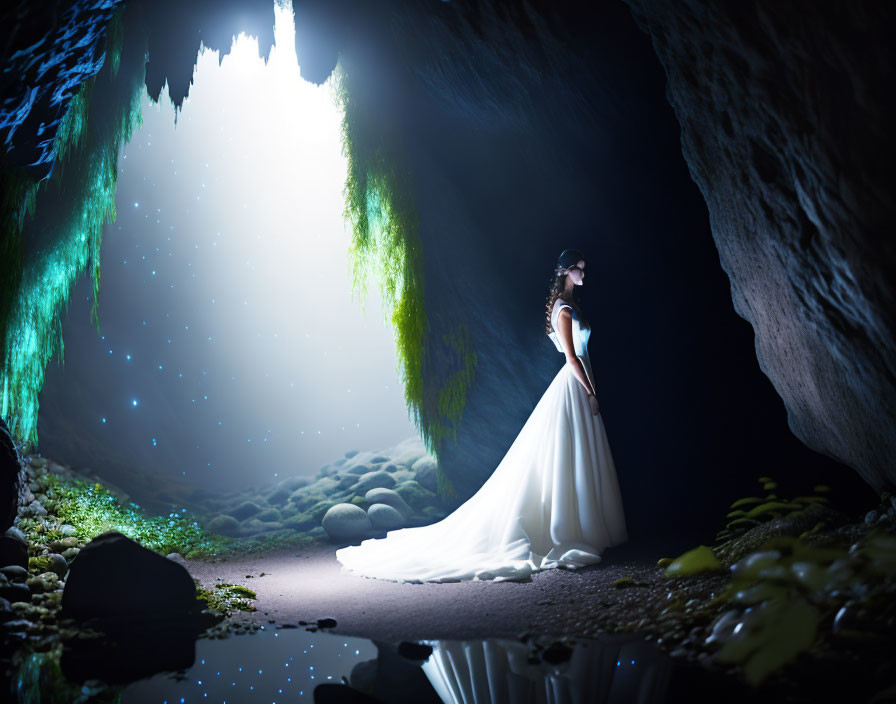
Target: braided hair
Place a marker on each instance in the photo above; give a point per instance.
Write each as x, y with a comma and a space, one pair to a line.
569, 257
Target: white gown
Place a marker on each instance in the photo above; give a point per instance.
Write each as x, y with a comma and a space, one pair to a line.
552, 501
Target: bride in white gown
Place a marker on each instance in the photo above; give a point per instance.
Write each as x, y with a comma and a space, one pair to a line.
552, 501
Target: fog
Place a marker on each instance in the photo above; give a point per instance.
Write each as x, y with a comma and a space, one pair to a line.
231, 347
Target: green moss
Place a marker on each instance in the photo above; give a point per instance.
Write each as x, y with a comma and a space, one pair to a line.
386, 250
225, 597
623, 582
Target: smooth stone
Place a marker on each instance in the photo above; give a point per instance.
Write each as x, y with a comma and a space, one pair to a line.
15, 592
381, 495
13, 551
384, 517
67, 529
425, 473
345, 521
357, 470
16, 532
415, 495
58, 565
254, 526
224, 525
301, 522
269, 515
245, 510
373, 480
70, 553
350, 454
15, 573
37, 509
378, 459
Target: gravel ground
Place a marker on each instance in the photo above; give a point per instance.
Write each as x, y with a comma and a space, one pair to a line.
308, 583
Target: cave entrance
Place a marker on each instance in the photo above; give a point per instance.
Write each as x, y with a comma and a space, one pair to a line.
232, 347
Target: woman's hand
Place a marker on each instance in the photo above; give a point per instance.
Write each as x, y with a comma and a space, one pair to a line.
595, 409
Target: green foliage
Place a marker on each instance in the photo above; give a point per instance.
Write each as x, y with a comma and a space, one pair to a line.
751, 511
92, 510
700, 559
790, 586
65, 216
386, 248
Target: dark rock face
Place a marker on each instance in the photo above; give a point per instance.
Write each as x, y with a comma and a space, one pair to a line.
117, 581
786, 113
11, 476
46, 56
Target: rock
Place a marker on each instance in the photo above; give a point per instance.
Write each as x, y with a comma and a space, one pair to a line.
341, 461
37, 509
415, 495
64, 544
15, 592
346, 522
286, 488
254, 526
58, 565
14, 573
301, 522
318, 533
11, 477
384, 517
70, 553
350, 454
319, 510
224, 525
372, 480
16, 532
119, 582
870, 518
357, 470
346, 481
269, 515
67, 529
381, 495
44, 582
5, 610
245, 510
425, 473
13, 551
800, 204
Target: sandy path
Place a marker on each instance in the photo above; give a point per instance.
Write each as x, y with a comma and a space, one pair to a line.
308, 583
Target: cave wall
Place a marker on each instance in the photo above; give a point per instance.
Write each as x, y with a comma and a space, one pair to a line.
786, 113
527, 128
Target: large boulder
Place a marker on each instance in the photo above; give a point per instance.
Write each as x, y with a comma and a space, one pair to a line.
117, 582
346, 522
786, 115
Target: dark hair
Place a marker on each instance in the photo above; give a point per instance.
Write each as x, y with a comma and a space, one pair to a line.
569, 257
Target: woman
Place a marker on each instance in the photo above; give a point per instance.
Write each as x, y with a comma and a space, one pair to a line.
553, 501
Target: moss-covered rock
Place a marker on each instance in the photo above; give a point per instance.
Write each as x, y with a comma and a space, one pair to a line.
700, 559
269, 515
415, 495
224, 525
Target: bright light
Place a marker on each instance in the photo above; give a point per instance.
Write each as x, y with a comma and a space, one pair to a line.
254, 169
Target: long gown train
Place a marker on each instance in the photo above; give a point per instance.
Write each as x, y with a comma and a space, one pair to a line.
552, 501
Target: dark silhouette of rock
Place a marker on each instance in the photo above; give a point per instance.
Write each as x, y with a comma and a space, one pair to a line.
118, 582
786, 113
11, 476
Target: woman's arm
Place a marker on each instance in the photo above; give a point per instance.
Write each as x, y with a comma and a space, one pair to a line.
565, 324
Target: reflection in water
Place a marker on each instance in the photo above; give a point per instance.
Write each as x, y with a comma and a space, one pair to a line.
498, 670
289, 664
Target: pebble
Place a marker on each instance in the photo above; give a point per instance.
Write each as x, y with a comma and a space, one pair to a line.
67, 529
14, 573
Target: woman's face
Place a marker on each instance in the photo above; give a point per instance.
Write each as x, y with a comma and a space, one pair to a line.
577, 272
